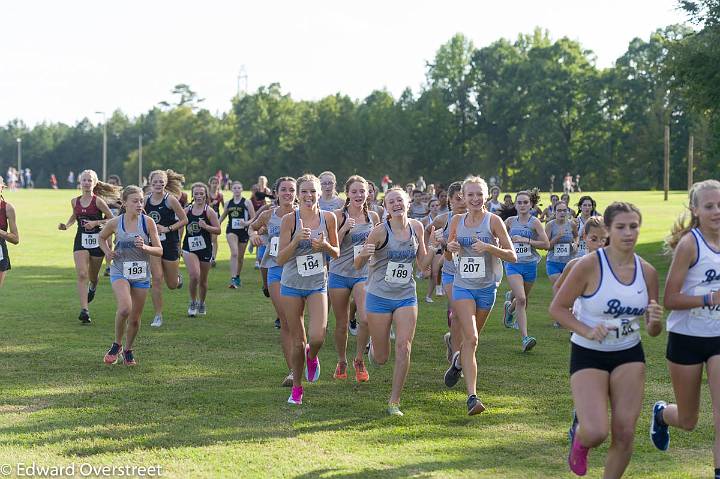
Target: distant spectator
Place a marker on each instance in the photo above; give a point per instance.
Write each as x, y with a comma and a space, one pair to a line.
53, 181
71, 180
420, 184
385, 183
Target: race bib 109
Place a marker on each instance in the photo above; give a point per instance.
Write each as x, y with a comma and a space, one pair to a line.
90, 241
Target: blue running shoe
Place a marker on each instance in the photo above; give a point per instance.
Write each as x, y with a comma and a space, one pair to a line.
659, 434
508, 318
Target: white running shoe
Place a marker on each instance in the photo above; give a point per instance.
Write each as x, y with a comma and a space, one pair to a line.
157, 321
439, 291
428, 299
192, 309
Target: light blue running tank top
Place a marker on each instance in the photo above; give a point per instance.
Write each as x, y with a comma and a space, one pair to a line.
474, 270
561, 252
306, 268
390, 270
525, 253
356, 237
130, 262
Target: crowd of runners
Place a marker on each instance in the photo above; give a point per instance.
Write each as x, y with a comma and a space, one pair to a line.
364, 258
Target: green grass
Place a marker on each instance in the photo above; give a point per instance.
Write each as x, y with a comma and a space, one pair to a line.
205, 400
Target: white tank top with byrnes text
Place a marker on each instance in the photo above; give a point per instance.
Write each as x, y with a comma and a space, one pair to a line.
620, 306
703, 277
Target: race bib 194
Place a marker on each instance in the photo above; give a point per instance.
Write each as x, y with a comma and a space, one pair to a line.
90, 241
399, 273
472, 267
196, 243
310, 264
135, 269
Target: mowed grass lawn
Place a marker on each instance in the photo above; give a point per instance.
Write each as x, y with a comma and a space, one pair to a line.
205, 400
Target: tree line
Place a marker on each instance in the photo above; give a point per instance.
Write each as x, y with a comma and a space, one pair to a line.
520, 111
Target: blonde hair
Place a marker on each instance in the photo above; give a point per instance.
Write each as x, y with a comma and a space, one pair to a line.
200, 184
472, 179
680, 229
401, 192
102, 189
308, 177
173, 181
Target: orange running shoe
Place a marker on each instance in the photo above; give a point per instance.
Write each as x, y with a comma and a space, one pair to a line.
340, 371
361, 374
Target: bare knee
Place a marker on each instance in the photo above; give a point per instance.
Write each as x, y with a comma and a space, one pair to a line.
157, 281
83, 276
194, 275
402, 350
471, 341
520, 301
624, 435
593, 436
123, 311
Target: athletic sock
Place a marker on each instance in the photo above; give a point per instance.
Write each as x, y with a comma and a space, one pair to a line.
659, 418
455, 363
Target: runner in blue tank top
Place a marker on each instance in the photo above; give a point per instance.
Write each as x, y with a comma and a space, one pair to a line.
478, 239
391, 249
305, 238
692, 292
135, 235
354, 225
442, 232
269, 222
617, 290
527, 235
562, 233
165, 209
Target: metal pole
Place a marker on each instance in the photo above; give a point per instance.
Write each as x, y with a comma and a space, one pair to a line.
691, 158
19, 155
666, 169
140, 161
105, 150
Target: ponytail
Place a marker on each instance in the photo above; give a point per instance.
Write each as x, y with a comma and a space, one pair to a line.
680, 229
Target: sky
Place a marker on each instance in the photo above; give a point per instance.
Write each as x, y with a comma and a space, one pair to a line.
64, 61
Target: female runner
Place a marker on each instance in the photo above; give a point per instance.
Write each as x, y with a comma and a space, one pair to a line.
586, 209
216, 200
614, 288
8, 232
130, 269
394, 245
88, 210
241, 212
305, 238
163, 206
434, 270
329, 201
493, 204
372, 200
563, 236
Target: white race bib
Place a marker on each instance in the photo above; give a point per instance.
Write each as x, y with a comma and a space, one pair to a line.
162, 236
472, 267
2, 256
399, 273
196, 243
562, 249
582, 248
310, 264
237, 223
622, 330
90, 241
357, 249
522, 250
135, 269
456, 260
705, 313
274, 244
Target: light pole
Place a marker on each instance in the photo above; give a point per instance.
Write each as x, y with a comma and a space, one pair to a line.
19, 155
104, 156
140, 181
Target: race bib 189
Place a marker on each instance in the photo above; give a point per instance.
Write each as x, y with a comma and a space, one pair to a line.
135, 269
90, 241
196, 243
310, 264
274, 243
472, 267
399, 273
522, 250
562, 249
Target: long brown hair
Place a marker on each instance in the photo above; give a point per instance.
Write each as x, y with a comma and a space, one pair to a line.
173, 180
350, 181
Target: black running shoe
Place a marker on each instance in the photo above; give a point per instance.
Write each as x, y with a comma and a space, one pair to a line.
84, 316
353, 327
277, 323
474, 406
91, 295
266, 292
452, 375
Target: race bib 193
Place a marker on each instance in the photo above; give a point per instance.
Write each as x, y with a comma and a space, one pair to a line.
196, 243
399, 273
522, 250
135, 269
562, 249
274, 244
310, 264
472, 267
90, 241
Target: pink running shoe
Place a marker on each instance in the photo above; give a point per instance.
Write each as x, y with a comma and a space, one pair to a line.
312, 367
296, 395
577, 459
112, 355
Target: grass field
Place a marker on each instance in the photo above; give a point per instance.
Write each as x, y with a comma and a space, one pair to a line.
205, 399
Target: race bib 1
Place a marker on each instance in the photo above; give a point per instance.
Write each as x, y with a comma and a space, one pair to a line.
274, 244
705, 313
237, 223
135, 269
357, 249
562, 249
196, 243
162, 236
90, 241
399, 273
522, 250
2, 256
310, 264
472, 267
621, 330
